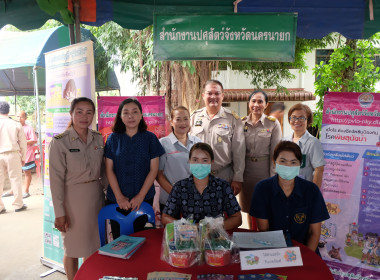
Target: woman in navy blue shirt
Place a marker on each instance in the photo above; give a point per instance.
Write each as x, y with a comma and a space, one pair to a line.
132, 158
287, 202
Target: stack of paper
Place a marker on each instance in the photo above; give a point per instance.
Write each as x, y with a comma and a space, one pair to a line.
123, 247
260, 240
160, 275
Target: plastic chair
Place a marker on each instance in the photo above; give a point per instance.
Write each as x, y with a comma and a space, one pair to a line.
109, 212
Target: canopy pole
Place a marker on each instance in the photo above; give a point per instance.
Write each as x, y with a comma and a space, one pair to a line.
77, 21
71, 34
38, 122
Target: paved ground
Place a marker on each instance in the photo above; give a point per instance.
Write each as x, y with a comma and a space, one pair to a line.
21, 238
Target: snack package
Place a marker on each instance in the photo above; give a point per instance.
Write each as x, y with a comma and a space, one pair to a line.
217, 247
180, 244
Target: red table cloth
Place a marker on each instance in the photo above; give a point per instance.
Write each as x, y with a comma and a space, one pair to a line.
147, 259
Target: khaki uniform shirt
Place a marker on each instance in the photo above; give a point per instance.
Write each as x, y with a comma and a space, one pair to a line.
73, 162
224, 133
12, 137
261, 138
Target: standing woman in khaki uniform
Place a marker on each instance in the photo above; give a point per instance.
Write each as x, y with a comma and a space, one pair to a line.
75, 166
262, 134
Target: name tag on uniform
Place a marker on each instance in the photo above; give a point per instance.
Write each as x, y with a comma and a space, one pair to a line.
74, 150
98, 147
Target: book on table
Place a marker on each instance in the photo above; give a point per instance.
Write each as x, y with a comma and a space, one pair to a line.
122, 247
260, 240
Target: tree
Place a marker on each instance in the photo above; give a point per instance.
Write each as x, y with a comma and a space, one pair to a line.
349, 69
183, 80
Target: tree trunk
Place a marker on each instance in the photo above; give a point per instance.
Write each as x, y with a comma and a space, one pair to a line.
349, 72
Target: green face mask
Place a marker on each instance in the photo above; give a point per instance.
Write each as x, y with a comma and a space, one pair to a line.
287, 172
200, 171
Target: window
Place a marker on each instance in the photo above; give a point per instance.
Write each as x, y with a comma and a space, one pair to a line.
322, 55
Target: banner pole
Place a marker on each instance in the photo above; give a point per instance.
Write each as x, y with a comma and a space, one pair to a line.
38, 122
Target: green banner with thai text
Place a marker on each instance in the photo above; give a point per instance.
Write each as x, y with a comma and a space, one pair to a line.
268, 37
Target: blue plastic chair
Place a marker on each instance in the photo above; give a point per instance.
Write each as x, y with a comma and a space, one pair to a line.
126, 222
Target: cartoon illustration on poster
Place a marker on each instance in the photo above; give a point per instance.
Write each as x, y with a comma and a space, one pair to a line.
350, 239
69, 74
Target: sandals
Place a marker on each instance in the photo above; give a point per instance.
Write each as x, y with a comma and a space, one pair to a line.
6, 194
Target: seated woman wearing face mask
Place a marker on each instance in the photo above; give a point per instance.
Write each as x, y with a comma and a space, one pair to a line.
287, 202
202, 195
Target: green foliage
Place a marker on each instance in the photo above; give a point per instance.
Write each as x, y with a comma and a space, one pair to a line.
28, 104
131, 49
350, 69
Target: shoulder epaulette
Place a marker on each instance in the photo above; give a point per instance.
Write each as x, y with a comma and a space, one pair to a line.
273, 119
59, 136
196, 111
236, 116
96, 132
244, 118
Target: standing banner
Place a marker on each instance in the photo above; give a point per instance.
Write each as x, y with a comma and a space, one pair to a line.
153, 112
350, 241
69, 74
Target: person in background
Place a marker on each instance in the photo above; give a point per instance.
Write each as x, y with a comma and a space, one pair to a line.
75, 166
174, 164
202, 195
300, 118
132, 159
12, 156
289, 203
31, 139
223, 131
277, 111
262, 134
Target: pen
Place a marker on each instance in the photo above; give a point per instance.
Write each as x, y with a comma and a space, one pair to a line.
266, 243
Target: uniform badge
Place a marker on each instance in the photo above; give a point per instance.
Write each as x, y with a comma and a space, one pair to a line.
73, 138
219, 139
263, 130
300, 218
198, 122
98, 147
246, 128
223, 125
74, 150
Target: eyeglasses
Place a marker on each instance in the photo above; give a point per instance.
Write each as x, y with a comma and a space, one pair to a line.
294, 119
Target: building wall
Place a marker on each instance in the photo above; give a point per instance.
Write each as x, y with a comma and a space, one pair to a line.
233, 80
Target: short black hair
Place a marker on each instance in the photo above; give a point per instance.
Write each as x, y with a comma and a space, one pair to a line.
277, 106
4, 107
119, 126
204, 147
289, 147
210, 82
259, 91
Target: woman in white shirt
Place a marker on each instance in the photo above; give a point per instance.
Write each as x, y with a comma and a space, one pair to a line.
174, 164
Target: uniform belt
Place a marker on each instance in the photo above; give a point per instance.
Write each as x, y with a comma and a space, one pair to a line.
216, 171
255, 159
88, 181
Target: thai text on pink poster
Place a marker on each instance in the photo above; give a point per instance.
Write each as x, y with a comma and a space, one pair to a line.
153, 108
363, 112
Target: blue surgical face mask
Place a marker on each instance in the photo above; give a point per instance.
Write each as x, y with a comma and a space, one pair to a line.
287, 172
200, 171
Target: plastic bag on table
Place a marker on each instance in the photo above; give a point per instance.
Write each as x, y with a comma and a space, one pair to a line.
217, 247
180, 244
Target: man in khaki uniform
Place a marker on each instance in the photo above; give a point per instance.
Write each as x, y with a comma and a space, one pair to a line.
12, 156
223, 131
